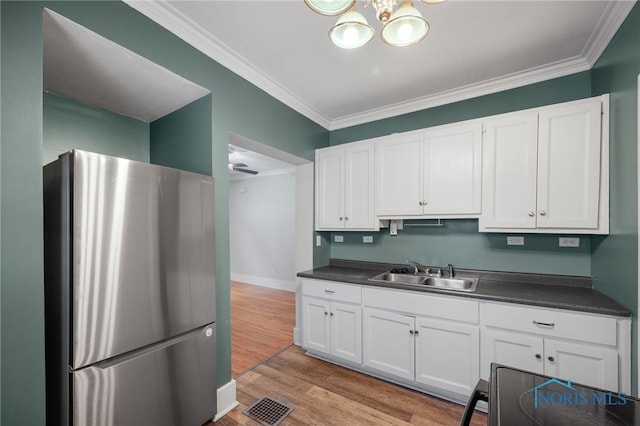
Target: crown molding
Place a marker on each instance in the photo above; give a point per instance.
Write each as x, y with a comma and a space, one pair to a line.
487, 87
606, 28
174, 21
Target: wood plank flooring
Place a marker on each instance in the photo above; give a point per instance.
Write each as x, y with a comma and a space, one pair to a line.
325, 394
262, 322
321, 393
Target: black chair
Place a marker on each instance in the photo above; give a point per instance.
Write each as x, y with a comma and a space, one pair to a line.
480, 392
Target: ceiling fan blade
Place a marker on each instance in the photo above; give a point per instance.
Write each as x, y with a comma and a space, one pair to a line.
251, 172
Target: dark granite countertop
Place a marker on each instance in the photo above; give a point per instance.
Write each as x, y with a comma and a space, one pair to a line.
552, 291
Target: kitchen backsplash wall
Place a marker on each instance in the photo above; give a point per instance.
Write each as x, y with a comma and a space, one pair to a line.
458, 242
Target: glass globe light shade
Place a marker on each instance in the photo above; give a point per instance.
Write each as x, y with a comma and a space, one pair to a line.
330, 7
351, 31
405, 27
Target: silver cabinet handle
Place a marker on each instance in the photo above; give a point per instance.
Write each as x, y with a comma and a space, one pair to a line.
422, 203
551, 359
531, 213
329, 291
326, 313
538, 356
331, 314
544, 324
542, 213
411, 332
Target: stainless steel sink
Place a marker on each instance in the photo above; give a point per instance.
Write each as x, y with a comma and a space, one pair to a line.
460, 284
457, 284
391, 277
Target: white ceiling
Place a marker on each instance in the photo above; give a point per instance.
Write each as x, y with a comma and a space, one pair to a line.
82, 65
474, 47
265, 165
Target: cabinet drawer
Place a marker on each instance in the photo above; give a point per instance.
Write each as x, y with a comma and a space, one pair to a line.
350, 293
551, 322
411, 302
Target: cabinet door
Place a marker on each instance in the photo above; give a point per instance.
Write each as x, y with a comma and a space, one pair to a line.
316, 325
511, 349
329, 188
585, 364
569, 165
452, 169
509, 172
398, 175
346, 331
359, 197
447, 355
389, 343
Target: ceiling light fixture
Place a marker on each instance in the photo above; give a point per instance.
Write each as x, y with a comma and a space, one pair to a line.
404, 27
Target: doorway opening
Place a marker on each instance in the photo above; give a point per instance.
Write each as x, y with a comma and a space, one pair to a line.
271, 231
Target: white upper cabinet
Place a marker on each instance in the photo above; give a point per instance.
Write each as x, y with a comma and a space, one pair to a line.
546, 170
452, 173
398, 175
345, 187
430, 173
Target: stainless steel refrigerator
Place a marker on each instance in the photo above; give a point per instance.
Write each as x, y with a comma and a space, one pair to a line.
129, 293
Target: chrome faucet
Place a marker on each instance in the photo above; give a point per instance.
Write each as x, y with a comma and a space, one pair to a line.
416, 266
450, 268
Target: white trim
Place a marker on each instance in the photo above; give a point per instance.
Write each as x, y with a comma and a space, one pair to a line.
173, 20
264, 282
534, 75
612, 18
176, 22
226, 399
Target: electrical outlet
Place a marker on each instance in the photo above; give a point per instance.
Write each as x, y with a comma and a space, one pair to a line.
338, 238
515, 241
367, 239
318, 240
569, 242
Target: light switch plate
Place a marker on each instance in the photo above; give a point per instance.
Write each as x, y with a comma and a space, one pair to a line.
338, 238
569, 242
515, 241
318, 240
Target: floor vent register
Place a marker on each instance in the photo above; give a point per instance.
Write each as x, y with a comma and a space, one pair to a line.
268, 411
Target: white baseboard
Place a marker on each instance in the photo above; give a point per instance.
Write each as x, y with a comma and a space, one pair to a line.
226, 399
297, 336
264, 282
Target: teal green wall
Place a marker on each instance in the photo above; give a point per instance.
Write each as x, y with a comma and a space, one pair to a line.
459, 242
237, 106
21, 270
182, 139
614, 261
68, 124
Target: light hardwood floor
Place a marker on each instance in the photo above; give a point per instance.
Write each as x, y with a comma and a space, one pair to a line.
326, 394
262, 322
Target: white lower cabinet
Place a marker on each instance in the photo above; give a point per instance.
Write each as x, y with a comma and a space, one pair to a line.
447, 355
436, 353
443, 344
330, 325
389, 343
422, 340
586, 349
